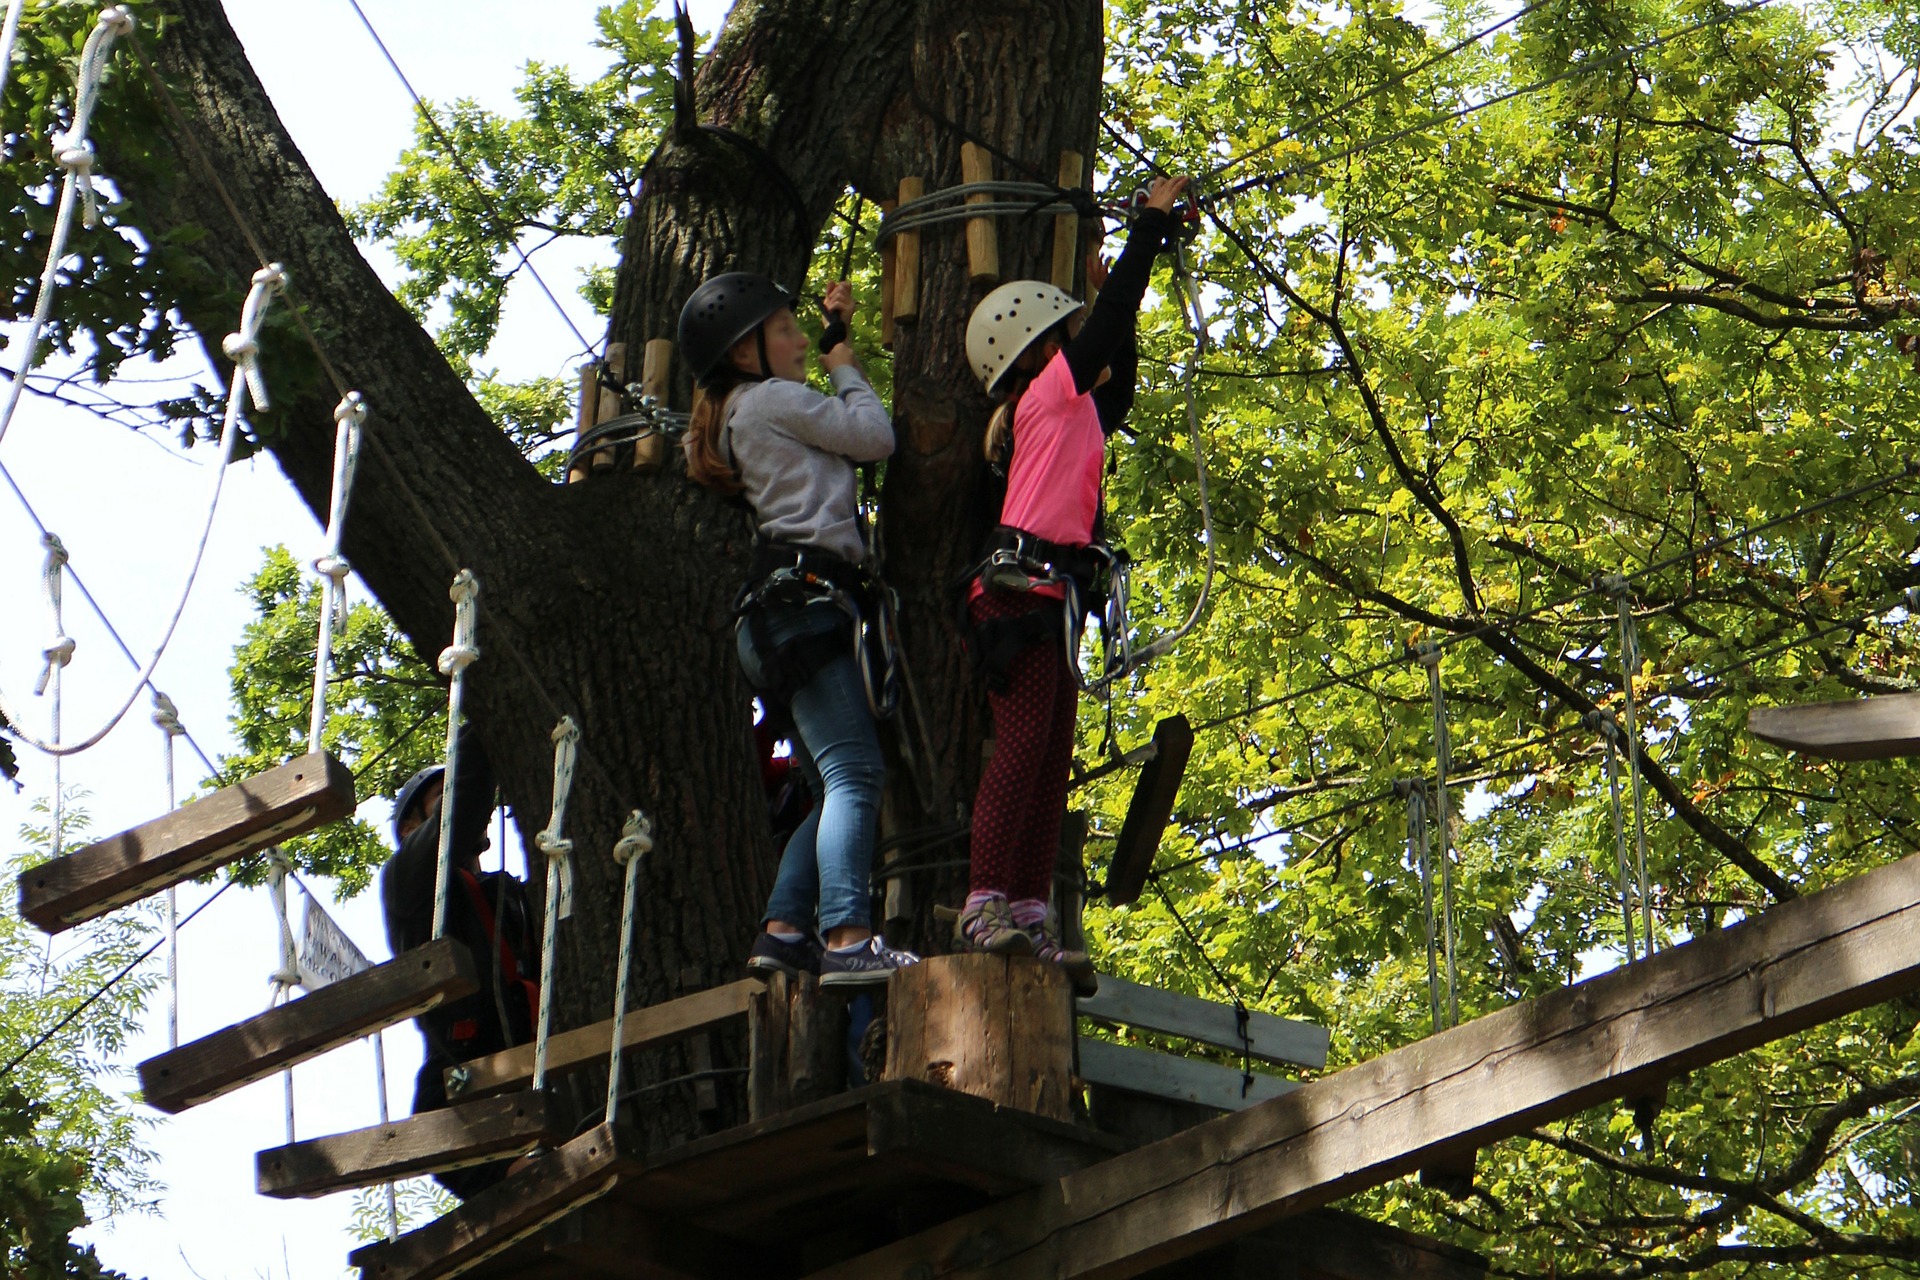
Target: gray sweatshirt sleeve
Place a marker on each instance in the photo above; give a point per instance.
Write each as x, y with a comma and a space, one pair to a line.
852, 422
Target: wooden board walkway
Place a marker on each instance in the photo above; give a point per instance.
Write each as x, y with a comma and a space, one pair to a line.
1623, 1033
1878, 728
432, 1142
302, 1029
648, 1028
210, 832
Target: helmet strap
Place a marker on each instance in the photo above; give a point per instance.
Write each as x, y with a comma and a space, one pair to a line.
760, 341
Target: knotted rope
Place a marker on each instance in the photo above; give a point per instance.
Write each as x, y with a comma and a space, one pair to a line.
349, 417
559, 850
629, 851
1428, 654
454, 661
1615, 587
166, 717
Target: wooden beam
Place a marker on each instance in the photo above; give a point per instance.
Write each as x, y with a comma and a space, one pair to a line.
1878, 728
1802, 963
1272, 1039
431, 1142
1328, 1244
906, 259
1150, 810
302, 1029
983, 240
549, 1188
1167, 1075
1066, 226
210, 832
649, 1028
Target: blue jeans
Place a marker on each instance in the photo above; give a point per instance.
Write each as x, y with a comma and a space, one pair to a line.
823, 877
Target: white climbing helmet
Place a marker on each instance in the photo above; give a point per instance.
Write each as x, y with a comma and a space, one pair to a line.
1008, 321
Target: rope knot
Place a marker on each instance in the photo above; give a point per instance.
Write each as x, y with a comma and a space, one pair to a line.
332, 566
1426, 653
464, 651
566, 746
166, 715
115, 19
352, 409
636, 839
76, 155
56, 550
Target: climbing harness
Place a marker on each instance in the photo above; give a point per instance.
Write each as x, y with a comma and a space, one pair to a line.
242, 348
1420, 852
1609, 731
559, 850
785, 576
1427, 653
1614, 586
454, 661
76, 157
166, 717
629, 851
349, 417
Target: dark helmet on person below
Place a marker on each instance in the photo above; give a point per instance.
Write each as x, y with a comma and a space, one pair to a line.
722, 311
410, 791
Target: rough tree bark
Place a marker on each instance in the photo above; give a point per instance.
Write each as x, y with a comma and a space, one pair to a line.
610, 601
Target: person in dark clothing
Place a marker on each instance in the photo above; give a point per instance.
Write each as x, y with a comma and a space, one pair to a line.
487, 913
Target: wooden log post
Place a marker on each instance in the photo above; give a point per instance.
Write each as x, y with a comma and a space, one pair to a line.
906, 260
1066, 226
796, 1045
983, 242
656, 367
996, 1027
767, 1012
584, 413
608, 405
887, 268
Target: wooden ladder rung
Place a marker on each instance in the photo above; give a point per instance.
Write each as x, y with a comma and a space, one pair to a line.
547, 1189
210, 832
431, 1142
302, 1029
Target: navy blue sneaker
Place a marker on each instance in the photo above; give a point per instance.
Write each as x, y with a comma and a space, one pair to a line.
771, 955
869, 964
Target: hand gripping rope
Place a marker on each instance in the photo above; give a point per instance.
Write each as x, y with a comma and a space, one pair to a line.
559, 850
166, 717
454, 661
630, 850
242, 347
76, 157
349, 417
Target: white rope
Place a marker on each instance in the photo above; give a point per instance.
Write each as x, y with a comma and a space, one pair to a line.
1428, 652
1419, 848
1610, 735
380, 1080
559, 850
167, 717
630, 850
9, 36
267, 283
349, 417
76, 157
287, 976
454, 661
1616, 586
59, 652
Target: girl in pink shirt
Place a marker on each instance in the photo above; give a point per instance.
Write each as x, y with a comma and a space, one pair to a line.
1062, 394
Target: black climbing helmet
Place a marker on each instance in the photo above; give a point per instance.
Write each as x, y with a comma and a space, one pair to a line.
722, 311
409, 791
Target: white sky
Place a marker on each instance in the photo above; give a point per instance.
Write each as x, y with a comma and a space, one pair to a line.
128, 509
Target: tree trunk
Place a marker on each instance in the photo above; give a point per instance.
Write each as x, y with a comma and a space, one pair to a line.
610, 601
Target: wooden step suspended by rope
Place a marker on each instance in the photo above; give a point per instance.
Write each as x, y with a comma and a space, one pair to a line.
303, 1029
649, 1028
1150, 810
1879, 728
1269, 1038
455, 1137
547, 1189
210, 832
1137, 1069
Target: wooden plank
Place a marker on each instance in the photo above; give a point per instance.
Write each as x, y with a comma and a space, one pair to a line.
431, 1142
210, 832
608, 405
303, 1029
1066, 226
1879, 728
1166, 1075
1150, 810
656, 368
585, 414
983, 241
997, 1027
1272, 1039
548, 1189
956, 1137
649, 1028
906, 260
1802, 963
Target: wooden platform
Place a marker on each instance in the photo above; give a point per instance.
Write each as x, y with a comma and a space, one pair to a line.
210, 832
1879, 728
431, 1142
302, 1029
779, 1197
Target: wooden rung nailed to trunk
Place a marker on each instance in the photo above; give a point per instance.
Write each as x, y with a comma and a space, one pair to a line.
656, 366
305, 1028
210, 832
983, 241
1066, 226
649, 1028
548, 1189
432, 1142
906, 260
1880, 728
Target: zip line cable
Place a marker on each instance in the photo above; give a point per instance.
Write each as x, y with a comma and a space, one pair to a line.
473, 179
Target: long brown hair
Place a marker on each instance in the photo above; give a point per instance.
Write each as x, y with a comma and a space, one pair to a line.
707, 463
998, 444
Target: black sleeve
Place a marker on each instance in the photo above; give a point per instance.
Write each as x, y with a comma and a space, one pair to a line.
1113, 399
407, 881
1111, 323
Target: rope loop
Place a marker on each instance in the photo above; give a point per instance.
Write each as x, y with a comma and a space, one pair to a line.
59, 650
465, 650
636, 838
566, 748
243, 348
166, 715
